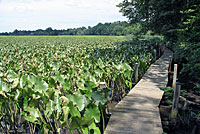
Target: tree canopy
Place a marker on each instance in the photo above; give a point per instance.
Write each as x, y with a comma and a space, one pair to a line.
164, 17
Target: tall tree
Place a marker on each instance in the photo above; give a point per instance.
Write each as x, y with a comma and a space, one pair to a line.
160, 16
189, 28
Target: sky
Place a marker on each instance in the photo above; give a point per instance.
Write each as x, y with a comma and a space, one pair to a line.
58, 14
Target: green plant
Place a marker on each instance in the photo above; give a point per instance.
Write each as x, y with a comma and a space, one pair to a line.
51, 85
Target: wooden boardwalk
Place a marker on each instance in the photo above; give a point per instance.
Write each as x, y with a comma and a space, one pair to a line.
138, 112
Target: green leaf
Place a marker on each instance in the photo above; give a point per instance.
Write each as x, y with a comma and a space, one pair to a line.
128, 83
57, 101
4, 87
66, 112
60, 78
88, 93
11, 75
91, 84
93, 111
167, 89
50, 93
15, 82
33, 115
49, 108
126, 66
120, 67
1, 74
73, 110
31, 81
170, 102
81, 86
93, 81
100, 63
78, 100
17, 95
23, 80
95, 129
98, 97
40, 86
56, 67
45, 129
66, 85
78, 122
52, 83
30, 118
25, 102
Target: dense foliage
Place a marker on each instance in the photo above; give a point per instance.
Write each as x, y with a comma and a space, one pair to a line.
188, 55
187, 48
162, 17
115, 28
178, 21
51, 85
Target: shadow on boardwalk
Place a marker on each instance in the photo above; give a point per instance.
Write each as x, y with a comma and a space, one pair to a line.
138, 112
158, 71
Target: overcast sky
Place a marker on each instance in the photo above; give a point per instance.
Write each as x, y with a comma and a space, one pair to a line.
58, 14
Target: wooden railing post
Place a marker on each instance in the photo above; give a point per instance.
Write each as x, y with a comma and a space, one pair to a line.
159, 50
136, 73
148, 59
174, 77
155, 53
175, 101
170, 65
163, 48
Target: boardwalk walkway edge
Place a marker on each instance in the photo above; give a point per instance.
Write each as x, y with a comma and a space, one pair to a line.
138, 112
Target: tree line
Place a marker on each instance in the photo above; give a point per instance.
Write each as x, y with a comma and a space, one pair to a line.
116, 28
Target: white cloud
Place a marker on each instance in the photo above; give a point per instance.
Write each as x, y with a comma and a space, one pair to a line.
62, 14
